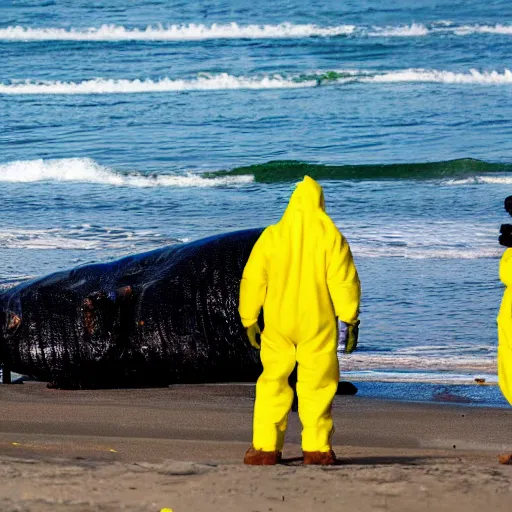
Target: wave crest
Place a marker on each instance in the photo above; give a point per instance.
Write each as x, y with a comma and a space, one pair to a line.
451, 172
206, 82
190, 32
86, 170
201, 32
289, 170
413, 30
224, 81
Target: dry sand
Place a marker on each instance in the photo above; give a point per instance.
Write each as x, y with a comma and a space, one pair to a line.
182, 447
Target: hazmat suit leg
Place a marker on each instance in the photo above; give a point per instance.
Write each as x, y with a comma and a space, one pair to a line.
317, 382
274, 395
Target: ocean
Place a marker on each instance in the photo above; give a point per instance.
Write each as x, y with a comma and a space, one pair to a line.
125, 126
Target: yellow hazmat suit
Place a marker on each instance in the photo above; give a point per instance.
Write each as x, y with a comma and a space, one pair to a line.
505, 328
302, 273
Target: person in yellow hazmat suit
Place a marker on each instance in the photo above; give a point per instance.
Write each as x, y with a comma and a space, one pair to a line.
505, 328
505, 313
302, 273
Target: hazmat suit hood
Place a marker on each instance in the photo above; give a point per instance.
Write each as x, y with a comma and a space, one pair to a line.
304, 211
307, 199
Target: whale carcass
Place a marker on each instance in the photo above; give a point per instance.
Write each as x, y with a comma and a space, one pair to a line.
165, 316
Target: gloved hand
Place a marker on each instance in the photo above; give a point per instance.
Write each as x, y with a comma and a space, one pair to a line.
352, 336
253, 333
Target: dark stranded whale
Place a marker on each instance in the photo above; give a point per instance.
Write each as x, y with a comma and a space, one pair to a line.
153, 319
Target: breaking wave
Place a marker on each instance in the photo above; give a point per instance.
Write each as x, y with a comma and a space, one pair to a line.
473, 76
89, 171
437, 28
483, 29
451, 172
200, 32
224, 81
289, 170
413, 30
401, 239
191, 32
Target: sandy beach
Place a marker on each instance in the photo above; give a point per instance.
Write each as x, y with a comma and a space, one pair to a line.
182, 448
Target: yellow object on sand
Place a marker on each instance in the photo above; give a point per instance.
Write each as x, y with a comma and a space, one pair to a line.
302, 273
505, 328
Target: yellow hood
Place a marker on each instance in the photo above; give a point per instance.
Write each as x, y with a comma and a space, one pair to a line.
308, 197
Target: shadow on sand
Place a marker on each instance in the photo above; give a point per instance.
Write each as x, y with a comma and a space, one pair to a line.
366, 461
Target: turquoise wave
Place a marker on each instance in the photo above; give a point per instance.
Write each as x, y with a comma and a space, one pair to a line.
288, 170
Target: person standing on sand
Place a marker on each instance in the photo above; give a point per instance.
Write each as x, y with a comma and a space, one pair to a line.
505, 313
302, 273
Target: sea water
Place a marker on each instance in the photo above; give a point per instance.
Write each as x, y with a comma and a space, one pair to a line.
126, 126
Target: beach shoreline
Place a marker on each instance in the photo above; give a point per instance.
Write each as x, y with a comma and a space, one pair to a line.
182, 447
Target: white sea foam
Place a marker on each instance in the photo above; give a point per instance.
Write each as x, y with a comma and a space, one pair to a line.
456, 378
465, 30
45, 239
413, 30
201, 32
88, 171
83, 237
435, 28
416, 253
191, 32
454, 363
475, 180
438, 240
395, 361
224, 81
206, 82
441, 27
473, 76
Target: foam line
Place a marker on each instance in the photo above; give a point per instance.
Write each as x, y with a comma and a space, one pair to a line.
87, 170
191, 32
473, 76
222, 81
201, 32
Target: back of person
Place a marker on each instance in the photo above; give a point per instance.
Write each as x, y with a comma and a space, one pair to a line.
297, 300
302, 273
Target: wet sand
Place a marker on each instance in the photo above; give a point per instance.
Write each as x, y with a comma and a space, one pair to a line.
182, 448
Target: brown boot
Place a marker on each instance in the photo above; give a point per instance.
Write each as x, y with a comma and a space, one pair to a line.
320, 458
255, 457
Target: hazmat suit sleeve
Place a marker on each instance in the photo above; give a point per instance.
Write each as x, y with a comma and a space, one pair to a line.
342, 278
253, 287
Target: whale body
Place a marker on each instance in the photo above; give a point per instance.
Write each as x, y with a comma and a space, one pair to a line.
152, 319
